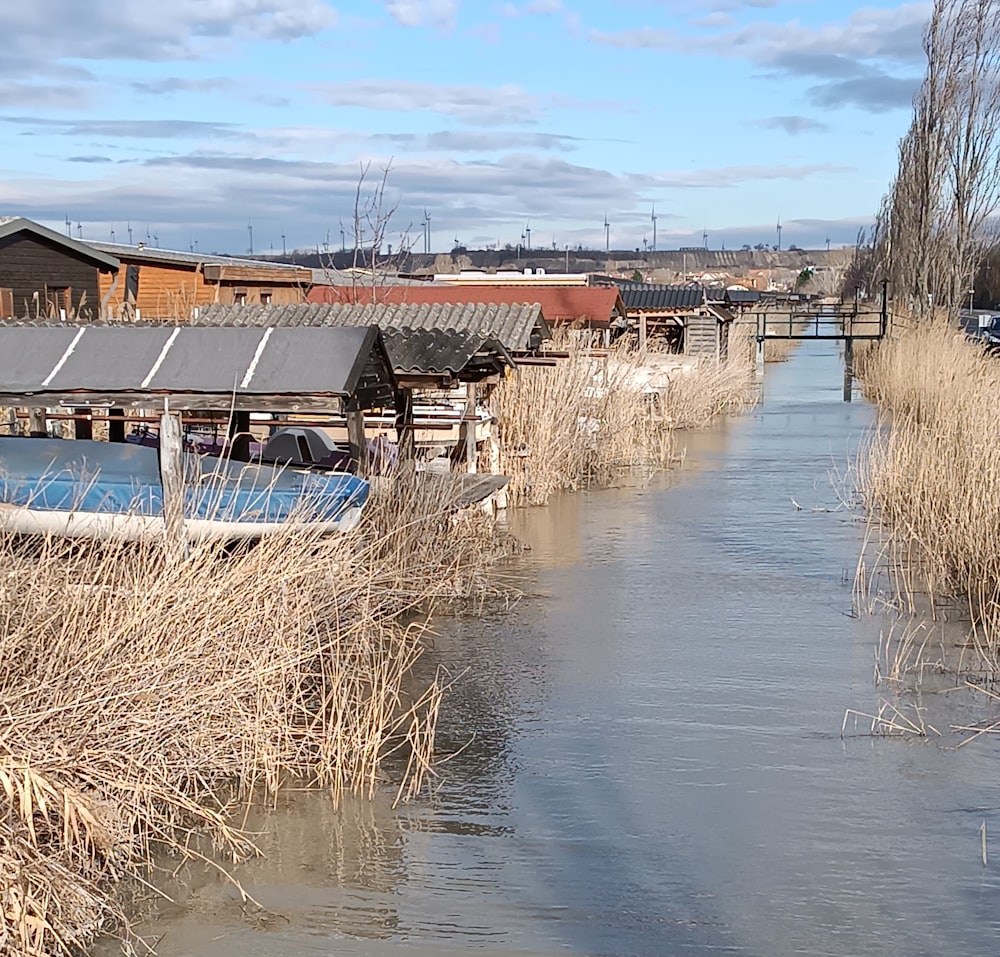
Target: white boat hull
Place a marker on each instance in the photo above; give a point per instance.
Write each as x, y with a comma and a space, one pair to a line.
109, 526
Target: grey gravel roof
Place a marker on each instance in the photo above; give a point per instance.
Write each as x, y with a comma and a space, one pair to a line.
190, 362
516, 326
654, 297
10, 225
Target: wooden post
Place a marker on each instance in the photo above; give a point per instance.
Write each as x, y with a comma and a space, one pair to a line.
239, 437
37, 426
356, 438
494, 439
172, 484
760, 359
848, 369
406, 439
642, 331
83, 428
116, 425
470, 428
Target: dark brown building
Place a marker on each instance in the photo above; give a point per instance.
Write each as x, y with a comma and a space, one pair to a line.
44, 274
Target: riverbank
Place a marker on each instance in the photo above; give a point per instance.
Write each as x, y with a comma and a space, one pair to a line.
146, 702
927, 477
593, 418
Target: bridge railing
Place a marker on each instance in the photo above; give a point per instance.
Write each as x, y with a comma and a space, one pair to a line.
822, 322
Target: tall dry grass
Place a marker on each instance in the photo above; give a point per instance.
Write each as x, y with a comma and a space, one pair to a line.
929, 469
589, 419
145, 702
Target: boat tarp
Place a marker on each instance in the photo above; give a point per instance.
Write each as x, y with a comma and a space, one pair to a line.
101, 477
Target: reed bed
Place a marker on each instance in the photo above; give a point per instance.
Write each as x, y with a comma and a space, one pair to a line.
928, 471
146, 702
590, 419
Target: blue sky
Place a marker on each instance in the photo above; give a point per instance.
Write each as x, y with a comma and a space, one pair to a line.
192, 119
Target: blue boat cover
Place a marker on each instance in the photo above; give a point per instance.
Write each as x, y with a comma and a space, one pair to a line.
80, 475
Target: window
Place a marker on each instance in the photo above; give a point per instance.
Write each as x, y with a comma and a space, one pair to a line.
239, 297
265, 297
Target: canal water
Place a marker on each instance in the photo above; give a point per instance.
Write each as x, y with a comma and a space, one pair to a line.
645, 752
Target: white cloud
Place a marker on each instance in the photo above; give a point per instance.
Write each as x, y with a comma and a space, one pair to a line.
857, 60
482, 106
423, 13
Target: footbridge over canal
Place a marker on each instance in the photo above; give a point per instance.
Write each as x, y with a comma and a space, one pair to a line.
845, 321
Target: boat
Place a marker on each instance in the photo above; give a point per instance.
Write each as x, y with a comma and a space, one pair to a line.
110, 491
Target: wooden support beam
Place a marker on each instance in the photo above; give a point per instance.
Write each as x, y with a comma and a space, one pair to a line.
37, 426
239, 436
172, 484
470, 428
83, 427
356, 438
405, 436
116, 425
642, 331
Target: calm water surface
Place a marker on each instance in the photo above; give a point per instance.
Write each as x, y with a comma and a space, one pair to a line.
649, 754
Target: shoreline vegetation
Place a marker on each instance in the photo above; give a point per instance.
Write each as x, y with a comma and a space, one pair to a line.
146, 703
925, 478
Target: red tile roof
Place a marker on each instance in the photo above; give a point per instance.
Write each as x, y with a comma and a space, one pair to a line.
592, 305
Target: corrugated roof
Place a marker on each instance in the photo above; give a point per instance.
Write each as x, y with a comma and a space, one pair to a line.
151, 254
741, 296
593, 305
655, 297
184, 361
12, 225
444, 351
515, 326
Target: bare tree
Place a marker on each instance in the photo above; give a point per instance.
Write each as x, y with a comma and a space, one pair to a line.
948, 184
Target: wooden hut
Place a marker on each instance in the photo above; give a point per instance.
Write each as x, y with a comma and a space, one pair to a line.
44, 274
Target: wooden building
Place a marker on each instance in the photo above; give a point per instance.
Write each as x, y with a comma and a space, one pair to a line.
168, 284
682, 316
45, 275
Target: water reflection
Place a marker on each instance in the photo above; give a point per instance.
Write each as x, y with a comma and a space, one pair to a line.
646, 750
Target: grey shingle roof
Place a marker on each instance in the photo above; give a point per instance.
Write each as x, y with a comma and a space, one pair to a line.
516, 326
654, 297
198, 365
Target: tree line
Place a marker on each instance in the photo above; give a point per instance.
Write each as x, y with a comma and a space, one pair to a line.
935, 236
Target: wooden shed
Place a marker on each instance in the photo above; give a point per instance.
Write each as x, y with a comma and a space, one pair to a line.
44, 274
168, 284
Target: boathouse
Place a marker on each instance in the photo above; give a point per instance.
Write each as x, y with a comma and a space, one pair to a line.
681, 316
44, 274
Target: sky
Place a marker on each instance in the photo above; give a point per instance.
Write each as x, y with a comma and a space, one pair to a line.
217, 124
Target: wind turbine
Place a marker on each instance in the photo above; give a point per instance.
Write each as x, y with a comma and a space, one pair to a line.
652, 217
607, 234
827, 243
129, 227
284, 251
779, 234
527, 232
250, 231
704, 237
79, 230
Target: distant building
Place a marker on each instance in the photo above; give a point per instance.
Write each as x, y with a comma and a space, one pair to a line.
168, 284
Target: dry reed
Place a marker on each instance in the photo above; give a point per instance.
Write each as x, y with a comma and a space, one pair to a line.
590, 418
928, 470
145, 702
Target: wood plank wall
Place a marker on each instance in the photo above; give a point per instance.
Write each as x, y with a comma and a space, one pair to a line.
36, 271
